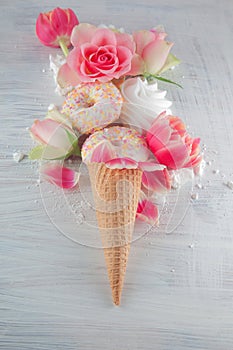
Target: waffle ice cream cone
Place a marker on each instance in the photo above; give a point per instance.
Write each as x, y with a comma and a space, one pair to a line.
116, 193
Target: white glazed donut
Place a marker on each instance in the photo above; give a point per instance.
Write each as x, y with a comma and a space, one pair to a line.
93, 106
126, 142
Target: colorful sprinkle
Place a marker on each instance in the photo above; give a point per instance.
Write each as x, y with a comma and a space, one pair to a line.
127, 142
93, 106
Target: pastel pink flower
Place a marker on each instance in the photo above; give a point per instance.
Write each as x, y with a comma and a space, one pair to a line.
151, 52
98, 54
56, 25
155, 177
147, 211
171, 144
59, 175
57, 139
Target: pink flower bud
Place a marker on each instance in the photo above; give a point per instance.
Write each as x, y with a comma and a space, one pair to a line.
56, 25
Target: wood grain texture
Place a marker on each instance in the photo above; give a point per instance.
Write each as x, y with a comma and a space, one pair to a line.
54, 294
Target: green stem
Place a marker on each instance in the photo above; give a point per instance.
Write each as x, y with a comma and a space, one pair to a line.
63, 47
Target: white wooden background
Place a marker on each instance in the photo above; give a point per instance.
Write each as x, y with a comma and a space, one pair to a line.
178, 293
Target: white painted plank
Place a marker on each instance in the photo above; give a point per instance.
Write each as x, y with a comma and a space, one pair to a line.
54, 294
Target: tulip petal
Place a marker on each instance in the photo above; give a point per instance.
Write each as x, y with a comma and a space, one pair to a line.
121, 163
103, 152
72, 20
156, 181
174, 155
155, 55
59, 21
150, 166
45, 32
67, 77
147, 212
52, 133
59, 175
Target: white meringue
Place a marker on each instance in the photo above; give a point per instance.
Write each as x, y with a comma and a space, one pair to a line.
142, 103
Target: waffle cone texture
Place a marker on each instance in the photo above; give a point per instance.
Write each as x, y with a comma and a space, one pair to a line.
116, 193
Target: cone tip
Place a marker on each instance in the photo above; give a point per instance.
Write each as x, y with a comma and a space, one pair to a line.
116, 298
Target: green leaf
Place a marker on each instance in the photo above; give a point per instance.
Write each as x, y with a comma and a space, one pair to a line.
36, 152
158, 77
168, 81
76, 151
171, 61
72, 138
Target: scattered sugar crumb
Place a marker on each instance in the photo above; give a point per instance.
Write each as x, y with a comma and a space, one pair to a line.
216, 171
18, 156
209, 162
191, 245
172, 270
51, 107
229, 184
194, 196
199, 186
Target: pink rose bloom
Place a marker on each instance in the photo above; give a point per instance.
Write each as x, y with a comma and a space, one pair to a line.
151, 52
98, 54
171, 144
55, 26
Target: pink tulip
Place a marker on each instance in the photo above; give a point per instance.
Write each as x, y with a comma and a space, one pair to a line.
156, 181
171, 144
147, 211
99, 54
55, 26
59, 175
59, 140
151, 52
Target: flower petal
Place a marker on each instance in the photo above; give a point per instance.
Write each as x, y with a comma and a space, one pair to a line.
142, 39
122, 163
137, 65
175, 155
126, 40
82, 33
150, 166
52, 133
59, 175
67, 77
155, 55
157, 181
147, 212
171, 61
104, 36
103, 152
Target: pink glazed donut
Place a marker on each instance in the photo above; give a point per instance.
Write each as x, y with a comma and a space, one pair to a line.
93, 106
126, 143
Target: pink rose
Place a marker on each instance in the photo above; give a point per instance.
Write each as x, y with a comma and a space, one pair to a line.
98, 54
151, 52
